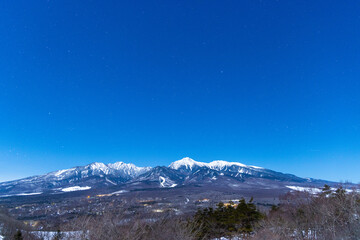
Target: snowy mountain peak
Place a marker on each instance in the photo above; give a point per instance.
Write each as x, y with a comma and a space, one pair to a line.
125, 170
182, 172
186, 162
218, 165
117, 165
128, 168
98, 166
121, 165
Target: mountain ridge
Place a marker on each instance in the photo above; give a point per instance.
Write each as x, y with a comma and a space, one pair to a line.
183, 172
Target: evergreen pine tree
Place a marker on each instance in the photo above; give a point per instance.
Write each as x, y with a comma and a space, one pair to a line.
18, 235
58, 235
326, 190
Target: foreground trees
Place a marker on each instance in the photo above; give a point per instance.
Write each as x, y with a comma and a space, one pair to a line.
331, 214
227, 220
111, 227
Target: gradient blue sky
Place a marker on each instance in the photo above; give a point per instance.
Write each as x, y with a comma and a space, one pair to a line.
267, 83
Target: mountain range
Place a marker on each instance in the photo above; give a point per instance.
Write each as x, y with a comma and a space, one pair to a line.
126, 177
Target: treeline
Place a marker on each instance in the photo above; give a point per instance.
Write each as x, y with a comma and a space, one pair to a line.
331, 214
328, 215
227, 220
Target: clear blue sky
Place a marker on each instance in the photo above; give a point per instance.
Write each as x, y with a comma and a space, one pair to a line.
268, 83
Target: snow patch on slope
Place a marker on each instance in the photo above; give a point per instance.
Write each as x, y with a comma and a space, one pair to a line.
109, 181
305, 189
75, 188
22, 194
29, 194
165, 182
119, 192
256, 167
60, 172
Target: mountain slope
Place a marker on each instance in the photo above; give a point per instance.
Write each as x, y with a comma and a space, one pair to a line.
185, 172
91, 175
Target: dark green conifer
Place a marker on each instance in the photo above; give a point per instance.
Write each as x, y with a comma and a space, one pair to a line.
18, 235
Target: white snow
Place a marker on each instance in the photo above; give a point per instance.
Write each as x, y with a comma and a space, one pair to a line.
256, 167
128, 168
58, 173
187, 162
119, 192
21, 194
99, 169
67, 235
305, 189
218, 165
99, 166
75, 188
162, 181
28, 194
316, 190
110, 181
165, 182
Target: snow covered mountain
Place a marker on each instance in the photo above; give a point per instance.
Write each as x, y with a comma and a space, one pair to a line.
184, 172
186, 164
233, 169
82, 177
121, 170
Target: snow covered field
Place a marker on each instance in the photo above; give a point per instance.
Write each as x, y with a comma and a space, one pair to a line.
64, 235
